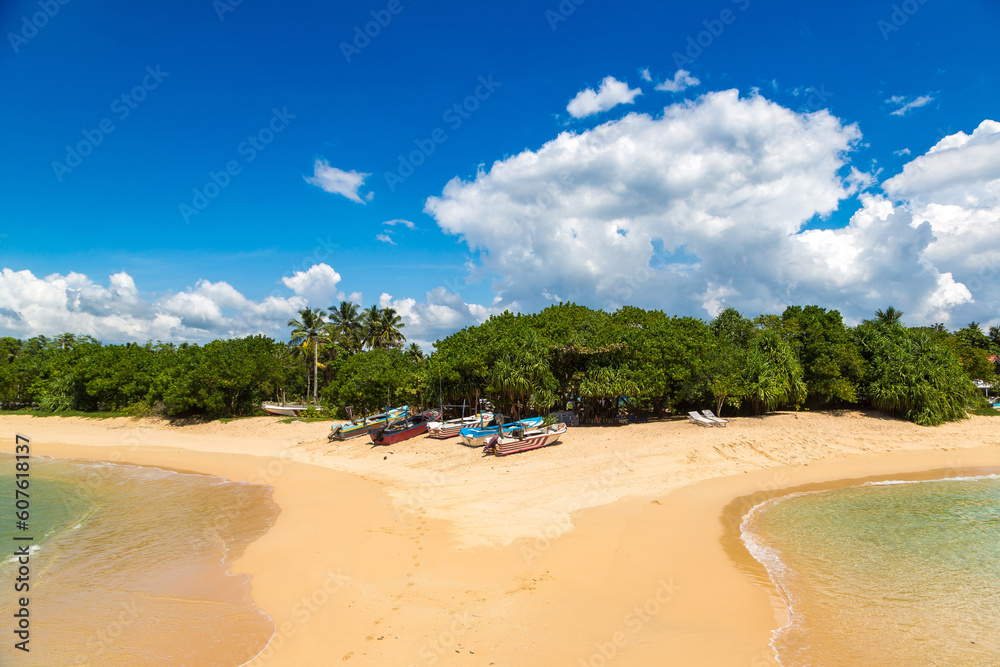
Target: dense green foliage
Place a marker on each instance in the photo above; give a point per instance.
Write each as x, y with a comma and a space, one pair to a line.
632, 362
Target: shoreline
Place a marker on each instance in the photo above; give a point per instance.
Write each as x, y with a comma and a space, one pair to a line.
611, 546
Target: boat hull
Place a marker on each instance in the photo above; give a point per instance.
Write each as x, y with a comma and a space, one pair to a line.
348, 431
284, 410
414, 426
398, 436
450, 429
532, 440
478, 437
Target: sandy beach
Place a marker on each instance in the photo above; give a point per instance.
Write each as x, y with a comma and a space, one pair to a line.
618, 546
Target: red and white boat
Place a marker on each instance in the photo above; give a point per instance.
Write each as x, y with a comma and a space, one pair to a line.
452, 427
406, 427
521, 440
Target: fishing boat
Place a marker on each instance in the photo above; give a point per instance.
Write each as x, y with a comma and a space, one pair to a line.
403, 427
521, 440
452, 427
477, 437
283, 410
364, 425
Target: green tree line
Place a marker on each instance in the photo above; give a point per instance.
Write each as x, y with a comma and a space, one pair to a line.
632, 361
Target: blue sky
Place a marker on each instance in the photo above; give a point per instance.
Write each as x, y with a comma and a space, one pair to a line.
834, 100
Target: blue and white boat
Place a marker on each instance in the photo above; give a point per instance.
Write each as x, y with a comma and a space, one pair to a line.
477, 437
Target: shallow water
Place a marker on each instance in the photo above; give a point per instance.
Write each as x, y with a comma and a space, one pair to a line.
891, 573
129, 566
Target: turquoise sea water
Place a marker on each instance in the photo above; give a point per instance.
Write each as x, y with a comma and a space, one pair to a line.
129, 566
888, 573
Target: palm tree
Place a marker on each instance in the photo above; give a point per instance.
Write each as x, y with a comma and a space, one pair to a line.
369, 323
414, 352
389, 326
346, 321
382, 328
995, 335
889, 316
309, 333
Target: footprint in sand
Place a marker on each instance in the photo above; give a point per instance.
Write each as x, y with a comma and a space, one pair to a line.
377, 621
369, 638
410, 584
348, 656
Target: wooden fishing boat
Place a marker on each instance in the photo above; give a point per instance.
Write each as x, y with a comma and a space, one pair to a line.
363, 426
403, 428
452, 427
521, 440
283, 410
477, 437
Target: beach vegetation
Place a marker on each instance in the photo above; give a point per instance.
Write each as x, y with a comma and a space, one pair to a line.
607, 367
909, 374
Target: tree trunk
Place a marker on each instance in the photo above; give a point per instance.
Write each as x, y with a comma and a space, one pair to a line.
315, 371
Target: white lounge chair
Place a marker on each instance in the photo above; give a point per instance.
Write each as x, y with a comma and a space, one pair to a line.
711, 416
699, 420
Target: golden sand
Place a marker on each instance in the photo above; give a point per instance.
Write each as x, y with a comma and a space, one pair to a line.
615, 547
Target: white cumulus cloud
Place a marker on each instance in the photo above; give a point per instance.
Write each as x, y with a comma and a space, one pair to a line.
119, 312
318, 285
610, 94
339, 182
655, 211
907, 105
682, 80
400, 221
955, 189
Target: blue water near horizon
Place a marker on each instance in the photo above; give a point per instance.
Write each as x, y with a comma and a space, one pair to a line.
885, 573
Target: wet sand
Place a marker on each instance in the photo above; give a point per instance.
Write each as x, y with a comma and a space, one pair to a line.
615, 547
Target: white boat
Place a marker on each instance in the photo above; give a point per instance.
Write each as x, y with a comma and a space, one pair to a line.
285, 410
520, 440
452, 427
477, 437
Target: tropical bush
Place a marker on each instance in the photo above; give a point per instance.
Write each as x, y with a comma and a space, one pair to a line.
602, 365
